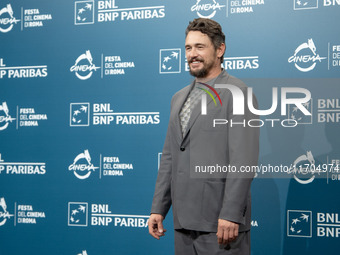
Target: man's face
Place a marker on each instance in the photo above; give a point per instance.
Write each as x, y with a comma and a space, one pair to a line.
201, 54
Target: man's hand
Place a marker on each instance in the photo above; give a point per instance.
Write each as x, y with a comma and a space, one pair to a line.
227, 231
156, 225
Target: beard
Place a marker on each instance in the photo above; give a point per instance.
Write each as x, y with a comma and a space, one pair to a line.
201, 73
204, 71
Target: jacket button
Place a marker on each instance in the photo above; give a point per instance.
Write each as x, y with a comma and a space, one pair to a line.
182, 149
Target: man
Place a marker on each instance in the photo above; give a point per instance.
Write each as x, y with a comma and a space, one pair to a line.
211, 212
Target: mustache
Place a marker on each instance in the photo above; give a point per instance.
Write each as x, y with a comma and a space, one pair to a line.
195, 59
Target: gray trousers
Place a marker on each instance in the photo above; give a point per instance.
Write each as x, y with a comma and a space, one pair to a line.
190, 242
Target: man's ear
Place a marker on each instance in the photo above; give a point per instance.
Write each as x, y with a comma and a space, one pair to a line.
221, 50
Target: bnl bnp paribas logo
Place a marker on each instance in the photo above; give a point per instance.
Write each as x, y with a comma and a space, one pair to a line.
289, 105
313, 4
77, 214
7, 19
79, 114
86, 12
300, 224
82, 214
169, 61
84, 66
103, 114
305, 4
305, 57
21, 168
4, 214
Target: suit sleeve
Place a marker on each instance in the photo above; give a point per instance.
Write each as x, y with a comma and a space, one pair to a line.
243, 143
162, 196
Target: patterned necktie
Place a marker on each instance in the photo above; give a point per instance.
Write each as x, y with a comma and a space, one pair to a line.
192, 100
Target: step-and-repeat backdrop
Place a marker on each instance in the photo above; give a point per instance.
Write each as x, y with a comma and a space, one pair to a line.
85, 90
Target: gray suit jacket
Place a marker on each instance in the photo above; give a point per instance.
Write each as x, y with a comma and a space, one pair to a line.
198, 200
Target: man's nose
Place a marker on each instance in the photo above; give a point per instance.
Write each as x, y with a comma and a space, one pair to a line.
193, 53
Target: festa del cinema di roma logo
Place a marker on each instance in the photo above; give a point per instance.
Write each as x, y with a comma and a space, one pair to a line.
4, 214
305, 57
7, 19
239, 103
302, 171
5, 118
82, 166
205, 9
84, 66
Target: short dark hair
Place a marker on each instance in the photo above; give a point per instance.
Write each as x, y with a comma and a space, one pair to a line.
209, 27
